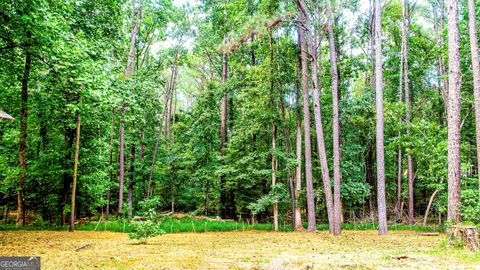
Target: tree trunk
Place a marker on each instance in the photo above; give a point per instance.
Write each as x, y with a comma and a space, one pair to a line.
306, 121
382, 206
122, 165
441, 70
286, 136
172, 86
455, 82
428, 207
337, 229
128, 72
405, 29
223, 135
472, 26
74, 183
23, 140
399, 159
157, 143
319, 129
298, 143
274, 134
173, 142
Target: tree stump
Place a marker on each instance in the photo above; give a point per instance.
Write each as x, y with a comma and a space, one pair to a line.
467, 234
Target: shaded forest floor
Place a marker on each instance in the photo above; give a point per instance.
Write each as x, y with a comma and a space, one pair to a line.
239, 250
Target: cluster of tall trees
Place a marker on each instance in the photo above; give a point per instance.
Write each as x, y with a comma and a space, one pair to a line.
282, 111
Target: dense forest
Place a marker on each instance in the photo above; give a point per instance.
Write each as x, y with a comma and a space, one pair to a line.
264, 111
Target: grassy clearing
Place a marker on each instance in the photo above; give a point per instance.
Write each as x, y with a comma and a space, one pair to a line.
239, 250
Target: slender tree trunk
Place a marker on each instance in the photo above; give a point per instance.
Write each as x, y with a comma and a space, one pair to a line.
306, 126
286, 136
157, 143
128, 72
337, 229
399, 159
173, 142
455, 82
74, 183
372, 43
472, 26
122, 165
428, 207
405, 29
173, 81
274, 134
23, 141
318, 127
168, 97
381, 200
298, 143
223, 134
441, 70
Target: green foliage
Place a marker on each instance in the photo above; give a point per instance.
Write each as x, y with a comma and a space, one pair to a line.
148, 228
80, 49
278, 193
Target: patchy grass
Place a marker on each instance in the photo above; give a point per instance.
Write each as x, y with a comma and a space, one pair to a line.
239, 250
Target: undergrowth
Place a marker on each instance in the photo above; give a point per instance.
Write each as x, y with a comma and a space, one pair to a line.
189, 224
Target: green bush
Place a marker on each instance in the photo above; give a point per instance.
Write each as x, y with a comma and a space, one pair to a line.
142, 230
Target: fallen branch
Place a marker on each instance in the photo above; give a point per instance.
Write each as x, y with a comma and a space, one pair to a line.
83, 247
401, 257
430, 234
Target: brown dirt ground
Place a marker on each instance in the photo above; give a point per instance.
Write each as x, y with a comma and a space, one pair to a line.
238, 250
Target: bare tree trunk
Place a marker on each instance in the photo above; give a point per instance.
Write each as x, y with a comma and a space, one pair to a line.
286, 136
157, 143
318, 127
298, 143
337, 229
168, 98
122, 165
405, 29
372, 43
74, 184
128, 72
173, 81
173, 142
174, 114
382, 206
399, 160
441, 70
455, 82
23, 140
428, 207
472, 26
274, 135
306, 126
223, 134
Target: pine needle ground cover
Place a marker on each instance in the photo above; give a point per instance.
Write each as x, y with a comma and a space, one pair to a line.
239, 250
